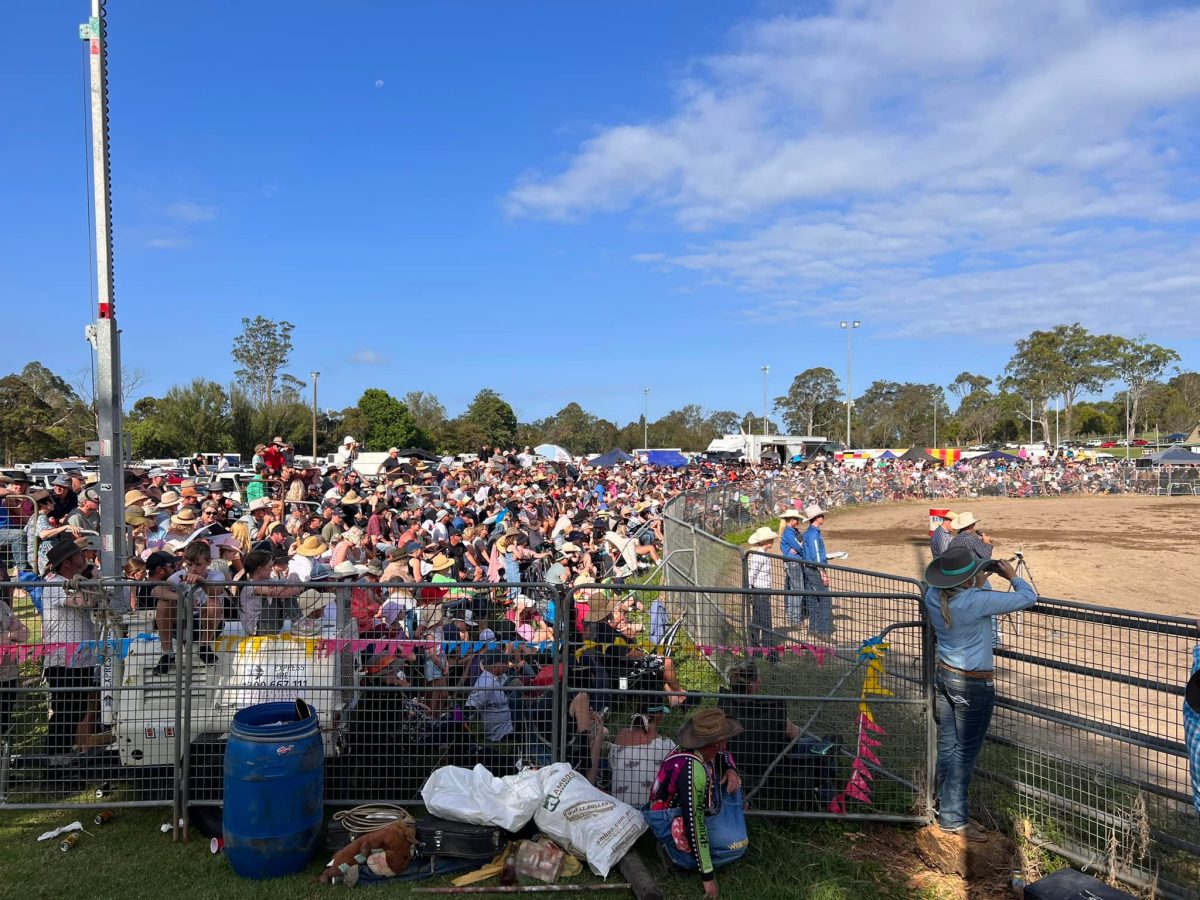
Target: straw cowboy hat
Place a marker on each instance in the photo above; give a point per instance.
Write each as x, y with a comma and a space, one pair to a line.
963, 520
351, 498
184, 517
954, 567
312, 546
441, 563
790, 514
813, 511
707, 726
135, 497
259, 503
169, 499
764, 535
312, 600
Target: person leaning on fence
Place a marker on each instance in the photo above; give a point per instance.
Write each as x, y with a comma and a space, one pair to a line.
695, 808
960, 608
816, 579
980, 544
791, 547
758, 575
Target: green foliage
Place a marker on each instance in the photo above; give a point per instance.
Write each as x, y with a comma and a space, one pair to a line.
41, 416
262, 352
388, 423
811, 405
1065, 361
1140, 364
488, 420
251, 423
573, 428
894, 414
194, 418
429, 415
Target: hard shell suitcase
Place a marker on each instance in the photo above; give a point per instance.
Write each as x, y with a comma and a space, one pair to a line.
1069, 884
437, 836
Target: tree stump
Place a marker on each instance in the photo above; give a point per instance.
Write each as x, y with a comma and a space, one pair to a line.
954, 855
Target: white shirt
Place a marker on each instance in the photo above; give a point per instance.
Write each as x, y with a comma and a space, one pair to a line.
491, 701
300, 566
65, 624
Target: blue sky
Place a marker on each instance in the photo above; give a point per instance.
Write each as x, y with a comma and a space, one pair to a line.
569, 201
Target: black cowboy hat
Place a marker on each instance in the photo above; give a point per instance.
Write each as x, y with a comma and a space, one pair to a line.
1192, 694
953, 567
61, 552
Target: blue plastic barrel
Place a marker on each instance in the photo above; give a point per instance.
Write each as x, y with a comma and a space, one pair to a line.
274, 789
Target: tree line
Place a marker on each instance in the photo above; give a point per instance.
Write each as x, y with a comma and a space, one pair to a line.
42, 415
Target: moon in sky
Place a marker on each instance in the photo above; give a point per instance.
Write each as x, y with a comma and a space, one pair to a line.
379, 83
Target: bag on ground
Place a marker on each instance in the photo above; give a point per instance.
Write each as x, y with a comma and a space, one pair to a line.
584, 820
478, 797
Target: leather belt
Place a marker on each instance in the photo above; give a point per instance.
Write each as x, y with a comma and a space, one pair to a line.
981, 674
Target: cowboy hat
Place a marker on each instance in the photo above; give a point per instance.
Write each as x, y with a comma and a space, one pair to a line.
351, 498
184, 517
169, 499
441, 563
320, 572
259, 503
601, 609
61, 552
312, 546
1192, 693
277, 440
569, 547
135, 497
813, 511
963, 520
135, 518
764, 535
345, 569
707, 726
225, 542
791, 514
954, 567
312, 600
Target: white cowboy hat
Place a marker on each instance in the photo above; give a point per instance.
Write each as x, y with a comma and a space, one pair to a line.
791, 514
963, 520
762, 536
812, 511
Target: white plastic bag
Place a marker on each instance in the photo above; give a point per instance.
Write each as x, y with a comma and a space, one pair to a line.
585, 820
478, 797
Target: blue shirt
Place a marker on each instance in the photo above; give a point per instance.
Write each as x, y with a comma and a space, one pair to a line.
789, 542
813, 548
1191, 736
967, 644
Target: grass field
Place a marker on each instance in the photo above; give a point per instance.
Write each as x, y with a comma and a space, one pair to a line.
817, 861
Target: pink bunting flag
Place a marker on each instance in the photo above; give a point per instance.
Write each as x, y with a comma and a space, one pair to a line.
838, 804
860, 767
869, 755
871, 726
867, 741
857, 793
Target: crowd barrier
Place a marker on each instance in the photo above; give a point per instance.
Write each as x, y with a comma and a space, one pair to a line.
1085, 751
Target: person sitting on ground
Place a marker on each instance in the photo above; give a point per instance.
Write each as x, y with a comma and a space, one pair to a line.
636, 754
697, 783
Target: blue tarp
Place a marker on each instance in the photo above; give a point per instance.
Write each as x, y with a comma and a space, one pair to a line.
669, 458
611, 458
1177, 456
886, 454
995, 454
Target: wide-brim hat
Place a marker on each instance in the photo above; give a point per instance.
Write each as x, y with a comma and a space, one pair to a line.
312, 546
791, 514
312, 600
1191, 694
600, 609
707, 726
259, 503
18, 477
277, 440
345, 569
964, 519
351, 499
184, 517
954, 567
813, 511
135, 518
441, 563
569, 547
169, 499
764, 535
61, 552
135, 497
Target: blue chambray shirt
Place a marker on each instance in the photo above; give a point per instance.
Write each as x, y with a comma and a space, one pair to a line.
967, 644
1191, 736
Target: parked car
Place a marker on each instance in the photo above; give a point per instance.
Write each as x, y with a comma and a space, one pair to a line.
1139, 442
1107, 445
1095, 443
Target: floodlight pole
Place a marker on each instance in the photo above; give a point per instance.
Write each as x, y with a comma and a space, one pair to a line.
645, 417
315, 376
765, 370
849, 326
104, 335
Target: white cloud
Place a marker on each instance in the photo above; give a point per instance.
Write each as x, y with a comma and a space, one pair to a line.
956, 159
367, 357
187, 211
168, 243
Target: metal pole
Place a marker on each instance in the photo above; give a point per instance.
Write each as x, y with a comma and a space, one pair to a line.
315, 376
849, 326
935, 422
765, 370
1057, 404
104, 335
645, 417
1031, 420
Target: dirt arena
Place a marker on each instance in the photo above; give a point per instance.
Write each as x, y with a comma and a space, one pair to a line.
1132, 552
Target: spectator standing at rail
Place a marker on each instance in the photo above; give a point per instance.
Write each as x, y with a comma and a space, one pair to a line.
939, 541
980, 545
960, 607
758, 573
816, 579
792, 548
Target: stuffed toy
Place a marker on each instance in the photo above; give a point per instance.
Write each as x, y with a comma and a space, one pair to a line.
376, 855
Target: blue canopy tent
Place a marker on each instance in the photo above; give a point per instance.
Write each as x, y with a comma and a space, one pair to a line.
996, 454
669, 458
1176, 456
611, 458
1177, 436
887, 454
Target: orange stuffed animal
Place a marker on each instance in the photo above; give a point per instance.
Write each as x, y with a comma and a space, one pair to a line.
379, 854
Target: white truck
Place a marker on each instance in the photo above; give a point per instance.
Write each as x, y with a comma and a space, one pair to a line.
772, 447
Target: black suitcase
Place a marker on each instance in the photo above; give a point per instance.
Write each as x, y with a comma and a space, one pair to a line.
446, 838
1069, 884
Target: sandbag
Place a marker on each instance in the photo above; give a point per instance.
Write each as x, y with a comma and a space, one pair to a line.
584, 820
478, 797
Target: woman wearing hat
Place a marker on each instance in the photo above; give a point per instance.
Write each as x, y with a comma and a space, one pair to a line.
960, 608
758, 574
695, 802
792, 547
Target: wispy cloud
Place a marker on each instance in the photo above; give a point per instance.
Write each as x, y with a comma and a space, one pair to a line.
186, 211
937, 167
168, 243
367, 357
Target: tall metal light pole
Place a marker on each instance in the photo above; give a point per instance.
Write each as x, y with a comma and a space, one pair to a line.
849, 326
765, 370
104, 335
935, 422
315, 376
645, 417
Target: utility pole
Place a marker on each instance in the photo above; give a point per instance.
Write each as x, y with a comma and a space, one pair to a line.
849, 326
104, 336
935, 422
315, 376
765, 370
1031, 420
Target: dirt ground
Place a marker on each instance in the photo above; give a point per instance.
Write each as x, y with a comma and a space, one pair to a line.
1132, 552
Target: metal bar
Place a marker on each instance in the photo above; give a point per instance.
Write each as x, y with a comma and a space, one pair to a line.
1125, 735
1091, 672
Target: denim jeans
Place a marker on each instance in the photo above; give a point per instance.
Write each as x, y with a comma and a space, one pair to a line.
820, 604
964, 711
13, 552
795, 607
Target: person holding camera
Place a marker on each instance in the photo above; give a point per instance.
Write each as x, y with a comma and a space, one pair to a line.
960, 608
980, 545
